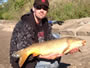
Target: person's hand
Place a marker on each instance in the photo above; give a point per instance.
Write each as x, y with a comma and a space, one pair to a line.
74, 50
50, 56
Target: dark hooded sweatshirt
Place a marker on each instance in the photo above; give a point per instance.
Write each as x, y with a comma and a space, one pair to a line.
25, 33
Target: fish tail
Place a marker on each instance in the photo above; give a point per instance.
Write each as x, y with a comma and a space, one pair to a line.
22, 59
25, 55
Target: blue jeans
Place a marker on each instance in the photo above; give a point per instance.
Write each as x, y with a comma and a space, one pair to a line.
45, 64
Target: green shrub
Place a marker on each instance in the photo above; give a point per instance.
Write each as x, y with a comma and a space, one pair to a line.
63, 10
59, 9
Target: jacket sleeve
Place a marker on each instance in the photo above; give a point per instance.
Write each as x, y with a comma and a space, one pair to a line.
21, 37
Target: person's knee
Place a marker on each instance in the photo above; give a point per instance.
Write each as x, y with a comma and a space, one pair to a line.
44, 64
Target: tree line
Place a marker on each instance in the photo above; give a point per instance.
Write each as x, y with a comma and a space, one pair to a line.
59, 9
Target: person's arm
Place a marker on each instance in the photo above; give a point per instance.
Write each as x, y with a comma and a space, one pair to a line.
55, 55
21, 37
50, 56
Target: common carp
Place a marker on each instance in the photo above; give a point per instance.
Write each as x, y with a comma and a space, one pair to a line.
61, 46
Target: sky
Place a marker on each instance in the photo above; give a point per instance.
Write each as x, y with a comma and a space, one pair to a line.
4, 1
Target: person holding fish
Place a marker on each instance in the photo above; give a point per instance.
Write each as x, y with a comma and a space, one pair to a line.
33, 28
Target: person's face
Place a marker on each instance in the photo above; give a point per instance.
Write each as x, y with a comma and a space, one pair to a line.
40, 11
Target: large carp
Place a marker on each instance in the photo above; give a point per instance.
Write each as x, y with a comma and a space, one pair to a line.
61, 46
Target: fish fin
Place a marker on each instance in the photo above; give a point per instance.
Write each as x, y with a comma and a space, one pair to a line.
67, 48
22, 59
